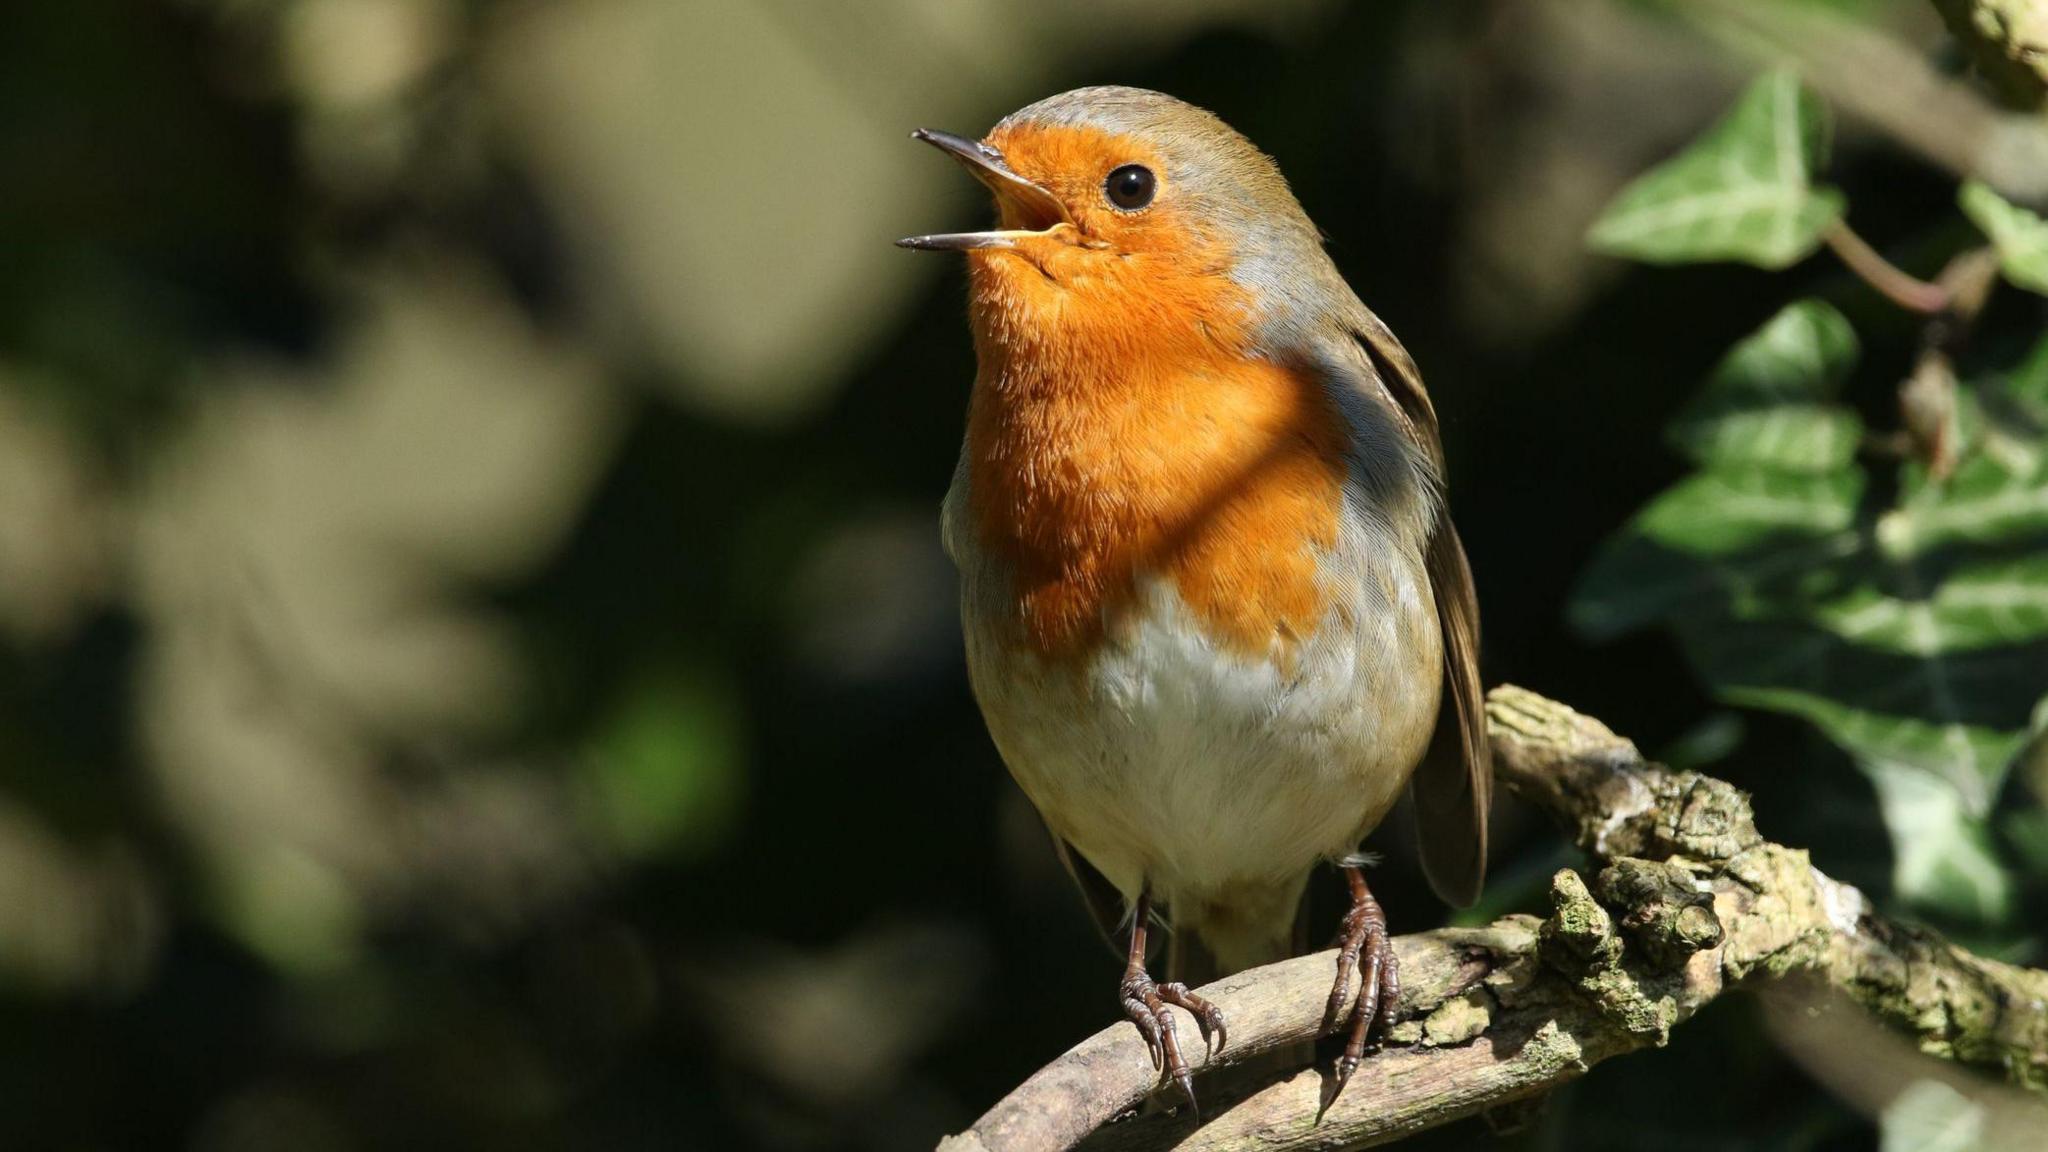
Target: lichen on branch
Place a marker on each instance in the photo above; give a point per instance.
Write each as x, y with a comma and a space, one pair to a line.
2007, 41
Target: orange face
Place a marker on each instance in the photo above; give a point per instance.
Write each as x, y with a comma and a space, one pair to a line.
1116, 189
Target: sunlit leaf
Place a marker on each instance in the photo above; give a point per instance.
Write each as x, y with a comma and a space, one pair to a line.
1743, 191
1988, 500
2020, 236
1943, 852
2006, 415
1930, 1116
1722, 512
1769, 402
1717, 537
1981, 604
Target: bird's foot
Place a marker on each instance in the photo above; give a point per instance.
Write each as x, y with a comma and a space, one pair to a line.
1146, 1004
1363, 946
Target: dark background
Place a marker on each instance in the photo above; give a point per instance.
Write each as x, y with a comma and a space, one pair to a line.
476, 665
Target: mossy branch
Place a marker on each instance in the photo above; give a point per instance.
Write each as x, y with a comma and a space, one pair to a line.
2007, 41
1688, 901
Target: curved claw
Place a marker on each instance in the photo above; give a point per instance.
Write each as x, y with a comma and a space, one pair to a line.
1187, 1090
1208, 1017
1346, 1065
1149, 1006
1369, 951
1140, 1013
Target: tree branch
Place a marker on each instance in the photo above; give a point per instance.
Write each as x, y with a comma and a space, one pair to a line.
1870, 75
2008, 43
1689, 901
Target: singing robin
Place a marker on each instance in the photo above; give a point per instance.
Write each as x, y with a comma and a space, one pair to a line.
1216, 614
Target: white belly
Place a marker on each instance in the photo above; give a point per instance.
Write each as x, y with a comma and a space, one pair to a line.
1193, 772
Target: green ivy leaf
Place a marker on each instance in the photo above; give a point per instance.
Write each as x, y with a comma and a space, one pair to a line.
1930, 1116
1989, 500
1943, 852
1769, 402
1777, 494
2020, 236
1743, 191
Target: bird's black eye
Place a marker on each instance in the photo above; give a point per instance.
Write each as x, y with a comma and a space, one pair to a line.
1130, 187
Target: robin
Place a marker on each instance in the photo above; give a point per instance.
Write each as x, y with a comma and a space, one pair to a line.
1216, 614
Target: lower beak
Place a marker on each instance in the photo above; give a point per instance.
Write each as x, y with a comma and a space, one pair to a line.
1030, 204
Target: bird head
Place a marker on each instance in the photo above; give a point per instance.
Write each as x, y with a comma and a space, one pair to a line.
1114, 193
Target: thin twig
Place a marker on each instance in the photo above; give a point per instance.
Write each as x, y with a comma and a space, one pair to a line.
1893, 283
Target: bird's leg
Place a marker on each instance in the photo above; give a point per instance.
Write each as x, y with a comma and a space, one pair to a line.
1145, 1005
1363, 944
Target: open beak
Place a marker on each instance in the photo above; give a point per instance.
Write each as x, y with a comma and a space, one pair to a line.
1035, 210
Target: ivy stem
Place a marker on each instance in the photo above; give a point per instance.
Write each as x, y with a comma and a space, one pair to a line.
1893, 283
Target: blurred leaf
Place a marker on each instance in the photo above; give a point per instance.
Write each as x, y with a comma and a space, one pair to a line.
786, 1015
1930, 1116
1769, 402
1710, 741
1937, 713
307, 557
1989, 499
294, 911
1743, 191
665, 771
1943, 855
2027, 830
2020, 236
1744, 543
1723, 512
55, 535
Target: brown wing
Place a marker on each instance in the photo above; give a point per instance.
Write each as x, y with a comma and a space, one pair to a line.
1453, 786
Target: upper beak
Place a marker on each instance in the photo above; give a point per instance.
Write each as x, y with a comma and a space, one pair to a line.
1027, 203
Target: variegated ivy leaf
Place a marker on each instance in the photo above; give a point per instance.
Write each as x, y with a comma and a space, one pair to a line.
1930, 1116
1743, 191
1946, 716
2005, 417
1770, 401
1990, 500
1942, 852
2020, 236
1918, 640
1777, 495
1978, 604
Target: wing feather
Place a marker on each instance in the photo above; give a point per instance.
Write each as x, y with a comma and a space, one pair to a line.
1453, 786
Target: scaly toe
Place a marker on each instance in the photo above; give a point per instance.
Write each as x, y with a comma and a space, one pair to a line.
1208, 1017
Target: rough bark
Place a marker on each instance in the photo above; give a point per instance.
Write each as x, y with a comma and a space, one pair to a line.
1871, 76
2007, 41
1685, 901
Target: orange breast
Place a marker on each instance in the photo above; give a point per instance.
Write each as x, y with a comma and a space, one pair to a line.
1119, 429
